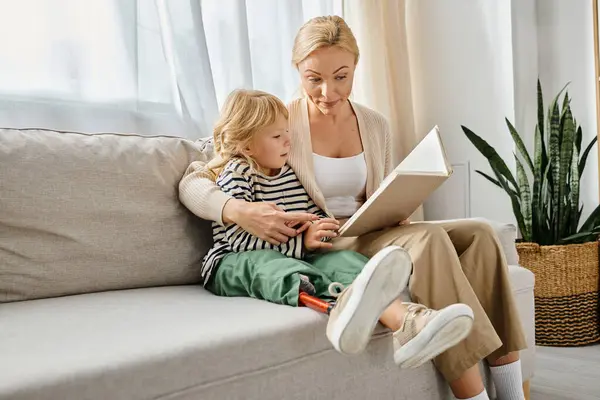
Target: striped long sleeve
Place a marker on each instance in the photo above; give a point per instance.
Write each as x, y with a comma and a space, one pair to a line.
239, 181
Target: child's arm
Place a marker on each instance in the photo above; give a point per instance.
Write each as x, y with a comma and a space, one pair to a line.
237, 183
314, 209
311, 239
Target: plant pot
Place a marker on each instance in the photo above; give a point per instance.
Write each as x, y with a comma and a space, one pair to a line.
566, 292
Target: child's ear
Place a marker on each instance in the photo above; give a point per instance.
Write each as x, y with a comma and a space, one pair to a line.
247, 151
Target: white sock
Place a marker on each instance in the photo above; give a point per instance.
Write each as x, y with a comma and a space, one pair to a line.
508, 381
481, 396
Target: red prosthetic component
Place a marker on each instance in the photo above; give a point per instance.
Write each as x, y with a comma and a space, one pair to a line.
315, 303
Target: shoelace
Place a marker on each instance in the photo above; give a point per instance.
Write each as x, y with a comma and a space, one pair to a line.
414, 310
336, 289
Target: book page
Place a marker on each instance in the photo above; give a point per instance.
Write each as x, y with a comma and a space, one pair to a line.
427, 157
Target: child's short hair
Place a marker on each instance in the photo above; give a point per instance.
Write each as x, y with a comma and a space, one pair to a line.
244, 113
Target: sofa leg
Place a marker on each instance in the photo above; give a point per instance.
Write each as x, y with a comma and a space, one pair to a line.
526, 390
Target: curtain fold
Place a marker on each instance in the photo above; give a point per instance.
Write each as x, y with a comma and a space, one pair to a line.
383, 76
144, 66
185, 48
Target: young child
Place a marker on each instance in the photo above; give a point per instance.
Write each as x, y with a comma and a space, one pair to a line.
252, 144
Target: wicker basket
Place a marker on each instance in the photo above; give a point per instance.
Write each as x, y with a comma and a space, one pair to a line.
566, 292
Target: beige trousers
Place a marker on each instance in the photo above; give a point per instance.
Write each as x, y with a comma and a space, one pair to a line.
457, 262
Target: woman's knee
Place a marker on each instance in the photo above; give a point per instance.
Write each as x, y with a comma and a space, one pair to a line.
422, 231
474, 227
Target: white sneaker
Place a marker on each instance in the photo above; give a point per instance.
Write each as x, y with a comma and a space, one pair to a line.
426, 333
359, 306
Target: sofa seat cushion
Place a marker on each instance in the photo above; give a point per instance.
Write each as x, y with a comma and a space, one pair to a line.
183, 342
146, 343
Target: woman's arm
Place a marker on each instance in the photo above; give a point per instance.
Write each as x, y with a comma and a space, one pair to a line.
201, 195
388, 166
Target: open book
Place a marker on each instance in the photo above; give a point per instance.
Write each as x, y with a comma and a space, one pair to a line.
404, 189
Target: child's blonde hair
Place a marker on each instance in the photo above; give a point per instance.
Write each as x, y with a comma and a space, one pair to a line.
244, 113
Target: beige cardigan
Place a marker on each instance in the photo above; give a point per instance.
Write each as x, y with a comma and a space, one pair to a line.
203, 197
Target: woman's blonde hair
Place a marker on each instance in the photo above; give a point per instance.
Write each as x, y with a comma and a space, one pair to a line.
323, 32
244, 113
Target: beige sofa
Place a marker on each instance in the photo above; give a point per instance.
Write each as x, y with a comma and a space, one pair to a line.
99, 294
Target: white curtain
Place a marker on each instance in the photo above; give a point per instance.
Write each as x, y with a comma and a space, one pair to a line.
473, 63
145, 66
383, 75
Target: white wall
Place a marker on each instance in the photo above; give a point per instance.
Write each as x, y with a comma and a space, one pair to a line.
473, 63
525, 63
566, 54
462, 74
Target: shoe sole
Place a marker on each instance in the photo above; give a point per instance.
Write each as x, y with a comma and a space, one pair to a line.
381, 281
447, 329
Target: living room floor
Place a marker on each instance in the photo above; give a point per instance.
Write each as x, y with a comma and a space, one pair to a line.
566, 373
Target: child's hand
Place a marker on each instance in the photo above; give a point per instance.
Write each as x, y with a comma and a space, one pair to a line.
323, 228
299, 226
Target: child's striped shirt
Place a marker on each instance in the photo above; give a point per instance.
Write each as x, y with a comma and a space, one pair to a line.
240, 181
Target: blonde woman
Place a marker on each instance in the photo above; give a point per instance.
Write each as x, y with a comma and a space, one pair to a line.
340, 151
252, 143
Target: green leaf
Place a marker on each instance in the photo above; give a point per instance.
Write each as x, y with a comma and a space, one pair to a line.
555, 166
514, 199
525, 199
547, 205
519, 144
489, 178
578, 139
574, 195
536, 197
540, 108
585, 155
494, 181
565, 221
566, 102
592, 221
581, 237
563, 115
494, 159
566, 158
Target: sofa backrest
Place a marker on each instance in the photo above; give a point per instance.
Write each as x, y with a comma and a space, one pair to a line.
82, 213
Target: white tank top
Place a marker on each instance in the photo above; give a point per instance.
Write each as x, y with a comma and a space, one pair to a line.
342, 181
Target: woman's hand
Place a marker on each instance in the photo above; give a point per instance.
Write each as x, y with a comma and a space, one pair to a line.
265, 220
405, 222
323, 228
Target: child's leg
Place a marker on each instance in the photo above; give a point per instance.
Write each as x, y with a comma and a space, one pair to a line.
262, 274
370, 286
420, 333
341, 266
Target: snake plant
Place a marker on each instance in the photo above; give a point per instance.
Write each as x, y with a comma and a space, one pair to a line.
545, 192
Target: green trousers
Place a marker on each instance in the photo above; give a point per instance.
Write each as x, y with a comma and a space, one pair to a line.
271, 276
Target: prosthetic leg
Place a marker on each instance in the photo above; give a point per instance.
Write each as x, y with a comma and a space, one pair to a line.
315, 303
307, 297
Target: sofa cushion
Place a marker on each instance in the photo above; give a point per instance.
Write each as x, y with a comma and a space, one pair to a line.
184, 343
145, 343
84, 213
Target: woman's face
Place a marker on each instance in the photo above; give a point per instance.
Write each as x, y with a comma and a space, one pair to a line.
327, 75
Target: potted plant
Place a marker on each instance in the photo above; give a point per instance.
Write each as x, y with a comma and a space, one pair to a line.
562, 254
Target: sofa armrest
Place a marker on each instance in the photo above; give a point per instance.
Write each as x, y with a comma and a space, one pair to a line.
507, 233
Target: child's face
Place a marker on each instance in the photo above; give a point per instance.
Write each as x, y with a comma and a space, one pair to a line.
271, 146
